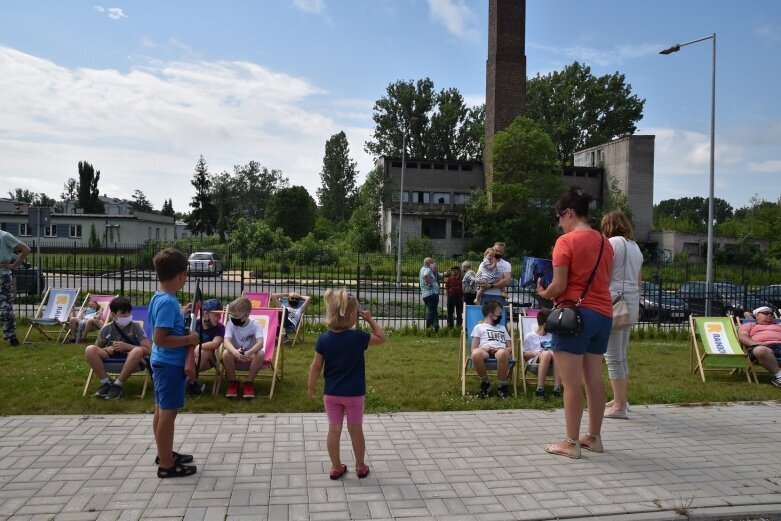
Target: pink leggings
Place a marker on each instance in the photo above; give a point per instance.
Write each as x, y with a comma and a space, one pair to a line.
336, 407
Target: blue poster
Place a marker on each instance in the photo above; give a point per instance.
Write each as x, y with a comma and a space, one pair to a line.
535, 268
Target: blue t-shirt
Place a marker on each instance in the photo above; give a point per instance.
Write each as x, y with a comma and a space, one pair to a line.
345, 369
164, 311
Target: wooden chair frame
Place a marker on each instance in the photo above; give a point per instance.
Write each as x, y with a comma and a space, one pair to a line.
46, 315
722, 329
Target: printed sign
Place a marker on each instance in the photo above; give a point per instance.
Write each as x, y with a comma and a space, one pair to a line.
718, 341
62, 307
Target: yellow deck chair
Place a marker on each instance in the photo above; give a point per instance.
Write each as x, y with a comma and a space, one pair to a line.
715, 346
53, 312
473, 315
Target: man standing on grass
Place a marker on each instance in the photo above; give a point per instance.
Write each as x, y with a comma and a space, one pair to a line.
429, 290
10, 247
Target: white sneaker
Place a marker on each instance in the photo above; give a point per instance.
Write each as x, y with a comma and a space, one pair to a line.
610, 404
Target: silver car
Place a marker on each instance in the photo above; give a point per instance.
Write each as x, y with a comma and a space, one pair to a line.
205, 262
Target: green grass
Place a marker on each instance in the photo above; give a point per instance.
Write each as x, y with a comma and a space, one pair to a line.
407, 373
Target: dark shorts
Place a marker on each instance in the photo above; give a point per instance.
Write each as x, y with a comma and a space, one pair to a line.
776, 348
593, 339
169, 385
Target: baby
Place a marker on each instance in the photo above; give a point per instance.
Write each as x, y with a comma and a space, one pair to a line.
487, 273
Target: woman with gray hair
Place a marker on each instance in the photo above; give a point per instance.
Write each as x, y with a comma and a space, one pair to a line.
468, 283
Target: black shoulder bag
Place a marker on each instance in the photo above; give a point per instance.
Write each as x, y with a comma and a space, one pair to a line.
568, 320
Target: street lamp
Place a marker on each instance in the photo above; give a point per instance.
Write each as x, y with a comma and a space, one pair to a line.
709, 258
401, 198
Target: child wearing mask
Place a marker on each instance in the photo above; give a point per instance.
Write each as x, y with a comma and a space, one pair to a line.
212, 337
244, 343
490, 340
88, 319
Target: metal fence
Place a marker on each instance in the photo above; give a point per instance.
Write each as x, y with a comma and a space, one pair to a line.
372, 277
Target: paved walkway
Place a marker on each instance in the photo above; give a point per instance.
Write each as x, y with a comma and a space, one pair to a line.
703, 461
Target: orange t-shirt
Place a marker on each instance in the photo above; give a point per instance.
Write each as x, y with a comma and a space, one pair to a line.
579, 251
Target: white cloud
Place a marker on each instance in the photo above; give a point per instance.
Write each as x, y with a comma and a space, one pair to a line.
310, 6
603, 57
115, 13
769, 33
146, 127
772, 166
456, 17
99, 8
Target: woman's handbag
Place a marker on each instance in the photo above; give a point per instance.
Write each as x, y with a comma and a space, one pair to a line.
621, 318
568, 320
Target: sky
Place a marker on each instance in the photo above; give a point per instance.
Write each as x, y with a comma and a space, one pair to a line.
141, 89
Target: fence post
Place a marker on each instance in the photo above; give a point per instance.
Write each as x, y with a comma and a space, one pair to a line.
122, 275
243, 265
358, 277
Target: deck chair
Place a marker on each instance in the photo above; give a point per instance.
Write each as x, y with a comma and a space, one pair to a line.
140, 314
752, 366
258, 299
473, 315
270, 320
299, 333
715, 346
103, 313
527, 324
53, 312
216, 370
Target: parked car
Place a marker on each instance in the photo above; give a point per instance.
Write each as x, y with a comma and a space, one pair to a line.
205, 262
658, 304
25, 277
771, 293
726, 298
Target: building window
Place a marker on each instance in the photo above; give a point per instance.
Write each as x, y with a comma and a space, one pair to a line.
441, 197
50, 230
165, 234
433, 228
24, 229
149, 233
75, 230
692, 248
157, 234
461, 198
456, 229
420, 197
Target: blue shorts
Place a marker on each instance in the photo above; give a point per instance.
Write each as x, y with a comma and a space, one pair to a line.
169, 385
593, 339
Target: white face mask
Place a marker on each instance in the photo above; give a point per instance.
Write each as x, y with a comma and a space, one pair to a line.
123, 321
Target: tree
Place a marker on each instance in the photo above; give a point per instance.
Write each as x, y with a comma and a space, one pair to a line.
527, 183
223, 197
438, 125
338, 191
168, 208
363, 229
88, 196
22, 195
690, 213
140, 203
254, 186
203, 216
578, 110
293, 210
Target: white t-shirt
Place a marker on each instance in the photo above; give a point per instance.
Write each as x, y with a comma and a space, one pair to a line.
244, 337
502, 267
294, 314
535, 343
491, 336
627, 261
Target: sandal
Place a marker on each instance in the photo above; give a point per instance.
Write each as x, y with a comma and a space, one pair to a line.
362, 472
336, 474
575, 454
595, 445
177, 471
178, 458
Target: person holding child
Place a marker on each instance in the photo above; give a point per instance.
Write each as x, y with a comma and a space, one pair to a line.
537, 353
244, 344
173, 360
209, 341
88, 319
494, 289
120, 338
490, 339
340, 350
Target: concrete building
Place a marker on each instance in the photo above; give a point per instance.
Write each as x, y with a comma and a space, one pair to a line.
629, 162
113, 206
434, 196
670, 244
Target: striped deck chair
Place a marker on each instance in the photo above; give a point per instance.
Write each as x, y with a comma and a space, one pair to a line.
53, 312
103, 314
715, 347
258, 299
472, 316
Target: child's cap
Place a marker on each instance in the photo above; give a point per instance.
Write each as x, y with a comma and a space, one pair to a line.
212, 305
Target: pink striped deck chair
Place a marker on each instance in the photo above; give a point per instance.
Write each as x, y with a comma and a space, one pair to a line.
258, 299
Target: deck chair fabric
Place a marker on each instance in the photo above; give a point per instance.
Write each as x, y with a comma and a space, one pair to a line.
715, 346
140, 314
473, 315
753, 367
258, 299
270, 320
527, 324
103, 313
53, 312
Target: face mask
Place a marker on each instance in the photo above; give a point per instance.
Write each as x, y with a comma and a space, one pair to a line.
207, 323
497, 256
123, 321
237, 321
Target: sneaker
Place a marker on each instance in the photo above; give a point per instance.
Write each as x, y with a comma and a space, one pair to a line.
114, 392
485, 390
776, 381
102, 391
540, 393
249, 390
13, 341
196, 389
504, 392
557, 392
233, 389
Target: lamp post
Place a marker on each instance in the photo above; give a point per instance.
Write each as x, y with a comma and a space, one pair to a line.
401, 205
709, 257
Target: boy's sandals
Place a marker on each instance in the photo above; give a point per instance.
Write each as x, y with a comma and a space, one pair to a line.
362, 472
178, 458
336, 474
177, 471
592, 442
574, 454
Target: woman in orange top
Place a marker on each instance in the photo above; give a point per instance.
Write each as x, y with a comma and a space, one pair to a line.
579, 358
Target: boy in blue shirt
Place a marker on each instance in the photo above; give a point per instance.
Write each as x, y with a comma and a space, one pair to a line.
173, 360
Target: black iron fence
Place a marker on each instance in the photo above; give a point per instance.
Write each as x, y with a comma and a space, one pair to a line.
390, 294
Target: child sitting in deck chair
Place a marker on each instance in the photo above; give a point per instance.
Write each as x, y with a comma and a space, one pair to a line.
244, 344
88, 319
213, 335
537, 354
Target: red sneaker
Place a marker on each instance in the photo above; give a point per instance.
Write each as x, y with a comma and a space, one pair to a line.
233, 389
249, 390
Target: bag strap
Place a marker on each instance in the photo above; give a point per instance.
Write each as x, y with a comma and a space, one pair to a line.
623, 279
126, 338
594, 271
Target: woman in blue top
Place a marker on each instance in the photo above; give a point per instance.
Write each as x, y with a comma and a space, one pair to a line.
341, 351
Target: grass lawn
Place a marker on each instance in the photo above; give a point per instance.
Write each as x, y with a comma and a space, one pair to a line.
407, 373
